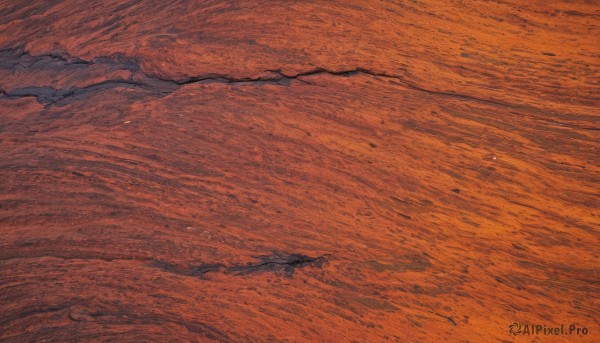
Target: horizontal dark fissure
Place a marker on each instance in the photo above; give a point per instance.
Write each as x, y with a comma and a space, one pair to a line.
279, 262
17, 58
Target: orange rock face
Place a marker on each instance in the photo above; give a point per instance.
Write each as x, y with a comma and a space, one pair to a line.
299, 171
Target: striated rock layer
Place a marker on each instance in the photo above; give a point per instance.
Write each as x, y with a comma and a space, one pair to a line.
296, 171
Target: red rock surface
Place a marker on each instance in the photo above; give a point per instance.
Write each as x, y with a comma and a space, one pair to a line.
298, 171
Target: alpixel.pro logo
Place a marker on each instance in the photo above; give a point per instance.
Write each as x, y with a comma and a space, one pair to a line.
546, 330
